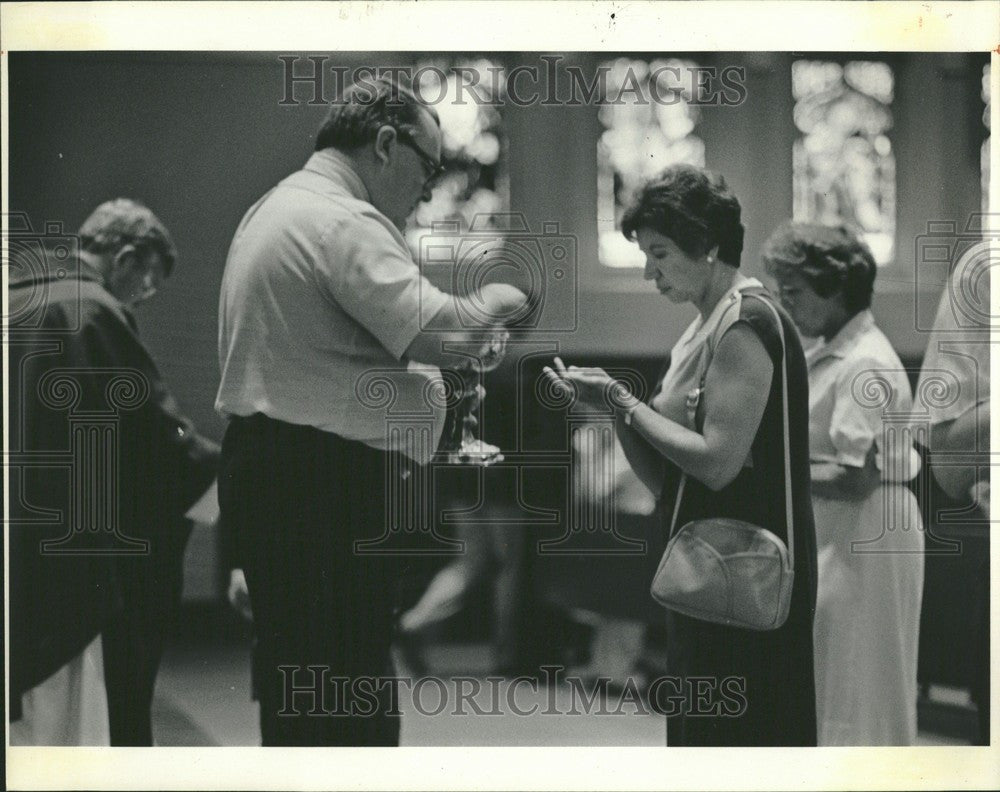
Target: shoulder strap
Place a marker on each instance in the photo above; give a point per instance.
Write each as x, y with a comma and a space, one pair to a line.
789, 510
712, 340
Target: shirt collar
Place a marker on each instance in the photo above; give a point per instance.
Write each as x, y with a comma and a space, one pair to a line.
337, 167
840, 344
74, 269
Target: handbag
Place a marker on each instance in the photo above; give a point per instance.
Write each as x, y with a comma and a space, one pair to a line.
730, 571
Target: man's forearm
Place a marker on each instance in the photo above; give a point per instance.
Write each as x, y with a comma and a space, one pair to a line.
463, 324
968, 439
837, 482
497, 302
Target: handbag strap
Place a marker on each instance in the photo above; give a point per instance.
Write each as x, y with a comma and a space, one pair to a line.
789, 510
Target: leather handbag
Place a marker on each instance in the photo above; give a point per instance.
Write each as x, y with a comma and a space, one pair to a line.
730, 571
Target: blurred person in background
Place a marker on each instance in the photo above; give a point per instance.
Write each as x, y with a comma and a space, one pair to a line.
960, 344
66, 687
493, 555
959, 347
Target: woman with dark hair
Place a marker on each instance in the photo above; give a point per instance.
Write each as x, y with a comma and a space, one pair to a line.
868, 529
718, 417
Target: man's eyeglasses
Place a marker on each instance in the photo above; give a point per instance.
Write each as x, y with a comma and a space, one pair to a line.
433, 170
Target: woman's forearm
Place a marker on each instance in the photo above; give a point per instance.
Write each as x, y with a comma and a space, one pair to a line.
685, 448
739, 379
644, 460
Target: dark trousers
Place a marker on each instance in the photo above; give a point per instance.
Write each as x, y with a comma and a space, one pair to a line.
132, 642
297, 499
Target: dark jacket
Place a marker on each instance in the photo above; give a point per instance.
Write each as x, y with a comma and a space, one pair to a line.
101, 459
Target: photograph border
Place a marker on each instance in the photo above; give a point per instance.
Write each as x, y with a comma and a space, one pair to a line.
515, 26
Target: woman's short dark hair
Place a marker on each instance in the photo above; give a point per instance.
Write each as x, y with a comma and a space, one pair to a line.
694, 208
831, 259
365, 108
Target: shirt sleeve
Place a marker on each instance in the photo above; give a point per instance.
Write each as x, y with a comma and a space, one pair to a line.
855, 423
955, 375
368, 271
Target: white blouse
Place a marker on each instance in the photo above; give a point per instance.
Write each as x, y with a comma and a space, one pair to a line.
859, 395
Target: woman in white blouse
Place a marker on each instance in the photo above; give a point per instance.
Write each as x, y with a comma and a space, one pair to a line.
868, 529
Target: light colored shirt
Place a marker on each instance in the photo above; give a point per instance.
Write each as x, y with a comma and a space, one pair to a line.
955, 376
320, 300
857, 382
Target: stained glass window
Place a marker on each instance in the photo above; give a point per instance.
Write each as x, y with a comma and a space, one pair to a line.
473, 145
844, 169
984, 155
649, 123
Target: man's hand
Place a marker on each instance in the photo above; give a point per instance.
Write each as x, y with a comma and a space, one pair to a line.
501, 300
238, 594
980, 494
967, 440
464, 321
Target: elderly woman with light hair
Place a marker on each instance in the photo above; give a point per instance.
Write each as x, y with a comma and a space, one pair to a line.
868, 530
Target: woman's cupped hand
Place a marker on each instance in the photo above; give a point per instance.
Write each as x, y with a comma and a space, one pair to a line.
594, 387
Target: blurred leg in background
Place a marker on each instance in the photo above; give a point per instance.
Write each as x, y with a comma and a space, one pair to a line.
493, 556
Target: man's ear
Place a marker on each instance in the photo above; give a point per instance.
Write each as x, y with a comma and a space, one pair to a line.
125, 259
385, 139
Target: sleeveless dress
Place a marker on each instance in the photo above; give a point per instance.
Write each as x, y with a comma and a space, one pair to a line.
742, 687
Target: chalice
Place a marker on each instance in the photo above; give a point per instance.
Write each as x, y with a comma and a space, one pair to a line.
460, 445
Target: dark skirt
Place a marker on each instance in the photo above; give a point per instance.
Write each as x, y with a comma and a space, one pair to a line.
745, 687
